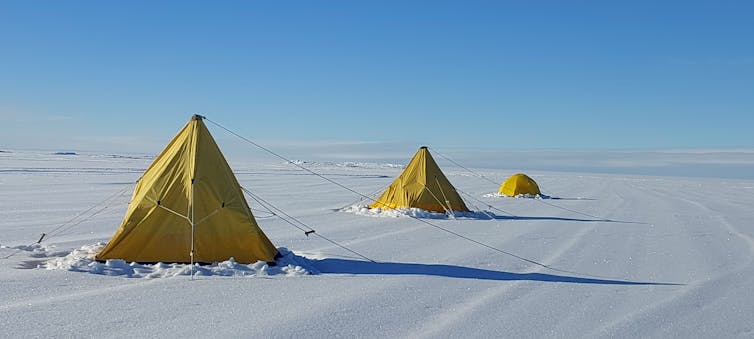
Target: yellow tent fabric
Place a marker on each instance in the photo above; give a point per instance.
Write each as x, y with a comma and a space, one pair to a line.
421, 185
519, 184
189, 183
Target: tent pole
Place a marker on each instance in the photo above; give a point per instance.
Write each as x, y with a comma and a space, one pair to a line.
449, 209
191, 254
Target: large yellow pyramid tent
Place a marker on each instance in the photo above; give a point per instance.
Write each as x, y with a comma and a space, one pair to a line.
519, 184
188, 201
421, 185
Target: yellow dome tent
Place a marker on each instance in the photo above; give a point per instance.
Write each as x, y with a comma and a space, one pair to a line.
188, 202
519, 184
421, 185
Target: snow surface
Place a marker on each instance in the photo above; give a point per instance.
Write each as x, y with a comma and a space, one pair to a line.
627, 256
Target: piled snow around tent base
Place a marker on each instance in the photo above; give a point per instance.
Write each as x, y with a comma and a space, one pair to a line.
413, 213
82, 260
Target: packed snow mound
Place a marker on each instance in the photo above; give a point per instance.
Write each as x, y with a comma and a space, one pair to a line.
413, 213
82, 260
36, 250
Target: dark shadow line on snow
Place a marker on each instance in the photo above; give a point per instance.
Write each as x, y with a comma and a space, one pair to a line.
567, 219
565, 198
487, 215
490, 215
346, 266
549, 197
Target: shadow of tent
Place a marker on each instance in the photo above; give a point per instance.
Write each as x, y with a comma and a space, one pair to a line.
489, 215
518, 217
568, 219
347, 266
567, 198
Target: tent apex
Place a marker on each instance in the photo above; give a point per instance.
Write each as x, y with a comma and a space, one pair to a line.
197, 117
413, 189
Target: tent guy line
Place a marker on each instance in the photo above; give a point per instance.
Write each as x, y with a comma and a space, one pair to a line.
585, 214
464, 167
423, 154
534, 262
188, 207
420, 185
371, 196
282, 157
485, 203
306, 228
107, 203
538, 200
364, 196
73, 222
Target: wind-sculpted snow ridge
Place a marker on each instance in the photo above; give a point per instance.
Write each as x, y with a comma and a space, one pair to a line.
411, 212
82, 260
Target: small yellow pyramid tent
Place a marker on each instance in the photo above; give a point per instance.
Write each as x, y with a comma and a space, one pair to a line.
188, 201
519, 184
421, 185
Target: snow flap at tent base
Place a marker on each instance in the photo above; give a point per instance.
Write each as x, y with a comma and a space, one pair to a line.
421, 185
519, 184
189, 203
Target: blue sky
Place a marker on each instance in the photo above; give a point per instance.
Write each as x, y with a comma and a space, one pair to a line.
107, 75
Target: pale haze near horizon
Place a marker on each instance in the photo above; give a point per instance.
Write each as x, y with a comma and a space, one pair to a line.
369, 80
